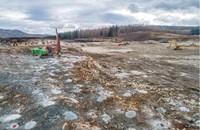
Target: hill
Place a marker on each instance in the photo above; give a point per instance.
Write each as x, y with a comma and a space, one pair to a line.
5, 33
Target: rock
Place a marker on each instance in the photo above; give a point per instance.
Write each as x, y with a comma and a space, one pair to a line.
70, 116
161, 110
130, 114
106, 118
101, 98
184, 109
29, 125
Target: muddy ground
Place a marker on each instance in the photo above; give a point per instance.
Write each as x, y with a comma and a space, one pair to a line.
140, 86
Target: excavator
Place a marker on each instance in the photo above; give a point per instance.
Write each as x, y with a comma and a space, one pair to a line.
174, 44
48, 50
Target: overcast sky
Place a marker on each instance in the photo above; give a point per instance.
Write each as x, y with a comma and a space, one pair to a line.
42, 16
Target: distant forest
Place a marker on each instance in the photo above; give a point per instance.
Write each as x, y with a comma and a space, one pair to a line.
121, 31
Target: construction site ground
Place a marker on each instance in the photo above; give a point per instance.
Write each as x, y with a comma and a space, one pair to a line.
100, 86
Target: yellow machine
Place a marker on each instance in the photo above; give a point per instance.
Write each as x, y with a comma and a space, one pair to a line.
14, 43
173, 44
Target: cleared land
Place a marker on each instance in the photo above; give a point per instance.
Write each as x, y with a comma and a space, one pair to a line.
97, 86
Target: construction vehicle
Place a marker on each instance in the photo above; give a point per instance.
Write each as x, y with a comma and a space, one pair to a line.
163, 41
14, 43
174, 44
48, 50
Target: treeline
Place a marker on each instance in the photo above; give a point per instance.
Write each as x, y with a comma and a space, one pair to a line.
121, 31
95, 33
195, 31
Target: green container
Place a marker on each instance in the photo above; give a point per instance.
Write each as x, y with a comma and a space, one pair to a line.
38, 51
163, 41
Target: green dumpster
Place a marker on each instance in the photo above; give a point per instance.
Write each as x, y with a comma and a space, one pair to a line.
38, 51
163, 41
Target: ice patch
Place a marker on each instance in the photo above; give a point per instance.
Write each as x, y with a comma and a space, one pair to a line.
101, 98
52, 74
161, 110
104, 92
106, 118
91, 115
68, 81
56, 91
10, 118
51, 80
127, 94
130, 114
37, 91
14, 126
66, 75
48, 103
183, 74
29, 125
77, 90
141, 91
135, 72
45, 102
70, 116
1, 97
122, 75
131, 129
160, 124
184, 109
197, 123
73, 100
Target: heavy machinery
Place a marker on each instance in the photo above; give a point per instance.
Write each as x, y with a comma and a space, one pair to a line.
14, 43
174, 44
49, 50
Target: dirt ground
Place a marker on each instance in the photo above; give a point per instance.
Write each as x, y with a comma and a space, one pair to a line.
140, 86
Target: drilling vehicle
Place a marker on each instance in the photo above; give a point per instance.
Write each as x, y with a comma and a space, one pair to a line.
48, 50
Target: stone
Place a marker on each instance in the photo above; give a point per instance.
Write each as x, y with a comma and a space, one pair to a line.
130, 114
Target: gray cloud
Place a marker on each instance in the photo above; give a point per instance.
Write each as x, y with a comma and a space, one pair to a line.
133, 7
38, 13
176, 4
43, 15
117, 19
